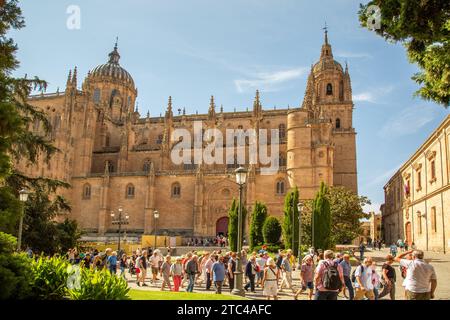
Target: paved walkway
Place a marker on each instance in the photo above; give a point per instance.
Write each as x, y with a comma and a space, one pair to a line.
441, 263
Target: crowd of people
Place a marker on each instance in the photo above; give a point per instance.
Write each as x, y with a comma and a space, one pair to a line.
324, 275
218, 241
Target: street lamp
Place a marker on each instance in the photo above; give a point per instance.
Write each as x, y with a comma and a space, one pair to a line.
300, 208
23, 197
119, 221
156, 217
293, 222
241, 179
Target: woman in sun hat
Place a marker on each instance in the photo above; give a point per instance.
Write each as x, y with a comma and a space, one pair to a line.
270, 280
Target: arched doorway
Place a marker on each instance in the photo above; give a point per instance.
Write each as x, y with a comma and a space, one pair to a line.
222, 226
408, 233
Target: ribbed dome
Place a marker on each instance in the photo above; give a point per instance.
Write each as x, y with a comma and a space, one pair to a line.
327, 64
112, 69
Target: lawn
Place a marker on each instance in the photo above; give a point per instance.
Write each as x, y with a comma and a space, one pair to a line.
167, 295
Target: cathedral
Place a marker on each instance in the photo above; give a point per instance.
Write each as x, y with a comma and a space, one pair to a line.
113, 157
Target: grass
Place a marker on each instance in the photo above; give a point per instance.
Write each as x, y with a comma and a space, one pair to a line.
167, 295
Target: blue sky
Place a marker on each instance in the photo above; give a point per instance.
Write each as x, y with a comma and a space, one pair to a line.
190, 49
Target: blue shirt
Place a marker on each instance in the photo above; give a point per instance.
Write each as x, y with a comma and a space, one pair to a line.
346, 268
112, 261
218, 270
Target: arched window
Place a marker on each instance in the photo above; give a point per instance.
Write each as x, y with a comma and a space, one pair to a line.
97, 95
176, 190
147, 165
87, 191
130, 191
282, 161
282, 131
280, 189
329, 89
338, 123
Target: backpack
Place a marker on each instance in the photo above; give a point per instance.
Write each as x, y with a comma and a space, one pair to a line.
331, 278
354, 271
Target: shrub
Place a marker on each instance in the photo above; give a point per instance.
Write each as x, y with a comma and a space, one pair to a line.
273, 248
272, 230
50, 278
99, 285
15, 270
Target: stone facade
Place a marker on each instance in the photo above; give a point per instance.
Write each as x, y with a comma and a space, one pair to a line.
417, 197
113, 157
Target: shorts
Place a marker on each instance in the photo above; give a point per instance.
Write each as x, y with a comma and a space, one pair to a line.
308, 285
137, 270
154, 270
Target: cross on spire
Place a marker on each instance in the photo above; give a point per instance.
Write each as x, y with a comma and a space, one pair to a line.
326, 32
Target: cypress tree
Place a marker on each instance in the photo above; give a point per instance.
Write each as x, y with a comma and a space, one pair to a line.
290, 227
322, 219
259, 215
233, 221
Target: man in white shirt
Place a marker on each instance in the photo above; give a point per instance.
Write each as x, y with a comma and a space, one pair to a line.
420, 282
154, 263
364, 281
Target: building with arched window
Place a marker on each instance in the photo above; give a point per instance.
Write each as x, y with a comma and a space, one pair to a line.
417, 196
127, 158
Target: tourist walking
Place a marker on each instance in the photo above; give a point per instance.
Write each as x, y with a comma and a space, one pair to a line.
184, 262
306, 277
329, 278
286, 269
218, 273
191, 271
251, 269
176, 270
393, 249
165, 273
261, 261
270, 280
375, 279
142, 265
362, 248
364, 284
123, 265
231, 270
208, 270
112, 262
421, 280
388, 278
346, 270
154, 264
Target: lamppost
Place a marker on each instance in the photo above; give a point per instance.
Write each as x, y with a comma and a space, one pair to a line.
23, 197
156, 217
241, 178
119, 221
300, 208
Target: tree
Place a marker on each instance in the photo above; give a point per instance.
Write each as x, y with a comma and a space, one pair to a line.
423, 27
259, 215
346, 209
272, 231
322, 219
233, 221
290, 227
346, 214
41, 232
10, 210
68, 234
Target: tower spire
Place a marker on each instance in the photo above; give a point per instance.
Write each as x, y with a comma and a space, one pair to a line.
74, 78
326, 32
114, 55
69, 78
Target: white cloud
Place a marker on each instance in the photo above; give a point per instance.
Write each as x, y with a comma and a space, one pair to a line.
374, 207
356, 55
409, 121
269, 81
374, 95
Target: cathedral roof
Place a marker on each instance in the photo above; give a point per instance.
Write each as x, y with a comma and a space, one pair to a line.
113, 69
